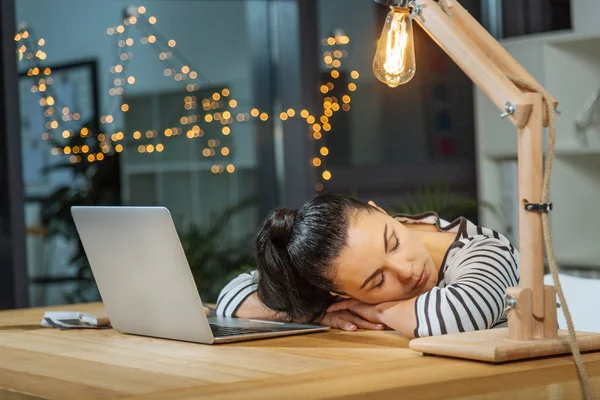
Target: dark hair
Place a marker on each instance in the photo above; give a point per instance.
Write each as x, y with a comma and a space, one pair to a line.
295, 250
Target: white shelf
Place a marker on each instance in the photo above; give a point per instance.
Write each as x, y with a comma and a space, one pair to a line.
576, 151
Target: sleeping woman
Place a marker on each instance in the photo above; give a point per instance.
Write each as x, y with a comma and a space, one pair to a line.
349, 265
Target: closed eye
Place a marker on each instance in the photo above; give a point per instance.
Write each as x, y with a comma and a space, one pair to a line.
380, 284
397, 243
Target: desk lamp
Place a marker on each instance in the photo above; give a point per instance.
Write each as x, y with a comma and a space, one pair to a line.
532, 317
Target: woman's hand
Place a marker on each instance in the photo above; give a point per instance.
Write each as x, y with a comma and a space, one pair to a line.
347, 321
367, 312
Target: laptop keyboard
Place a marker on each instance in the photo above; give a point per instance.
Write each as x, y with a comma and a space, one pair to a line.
220, 330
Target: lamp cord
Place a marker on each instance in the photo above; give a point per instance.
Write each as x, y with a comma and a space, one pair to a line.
583, 376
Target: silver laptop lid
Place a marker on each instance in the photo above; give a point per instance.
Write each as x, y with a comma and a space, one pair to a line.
142, 273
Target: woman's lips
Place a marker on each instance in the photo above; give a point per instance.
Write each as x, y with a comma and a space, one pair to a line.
422, 279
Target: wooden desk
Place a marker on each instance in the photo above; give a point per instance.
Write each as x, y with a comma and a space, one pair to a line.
37, 362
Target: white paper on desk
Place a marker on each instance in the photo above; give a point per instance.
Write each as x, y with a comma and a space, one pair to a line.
68, 320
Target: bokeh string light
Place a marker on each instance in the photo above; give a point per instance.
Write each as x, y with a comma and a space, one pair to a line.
219, 109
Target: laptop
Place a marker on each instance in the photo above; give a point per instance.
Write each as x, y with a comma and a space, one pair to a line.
146, 284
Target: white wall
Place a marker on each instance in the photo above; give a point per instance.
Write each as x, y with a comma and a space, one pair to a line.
568, 65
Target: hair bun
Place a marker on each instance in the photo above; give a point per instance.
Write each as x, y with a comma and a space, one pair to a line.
282, 225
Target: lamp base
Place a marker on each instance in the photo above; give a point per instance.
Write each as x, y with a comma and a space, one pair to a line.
494, 345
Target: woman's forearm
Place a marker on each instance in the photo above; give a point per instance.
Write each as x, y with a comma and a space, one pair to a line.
399, 315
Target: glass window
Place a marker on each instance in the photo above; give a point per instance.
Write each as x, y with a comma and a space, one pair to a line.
145, 105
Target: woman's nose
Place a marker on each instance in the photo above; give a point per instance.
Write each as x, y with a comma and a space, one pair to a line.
403, 269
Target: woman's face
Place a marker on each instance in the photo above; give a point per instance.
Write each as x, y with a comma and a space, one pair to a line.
383, 261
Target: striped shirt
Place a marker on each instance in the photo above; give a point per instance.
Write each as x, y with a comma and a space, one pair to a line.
477, 268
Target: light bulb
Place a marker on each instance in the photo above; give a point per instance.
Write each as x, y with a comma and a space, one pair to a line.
394, 62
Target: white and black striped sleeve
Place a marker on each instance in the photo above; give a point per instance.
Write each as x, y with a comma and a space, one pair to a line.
235, 292
476, 280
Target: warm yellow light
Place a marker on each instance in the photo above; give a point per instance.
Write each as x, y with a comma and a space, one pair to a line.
216, 96
330, 41
335, 74
324, 89
225, 151
304, 114
291, 112
193, 74
324, 119
208, 118
394, 63
67, 150
109, 119
171, 43
316, 161
283, 116
125, 107
335, 107
85, 148
326, 127
160, 147
185, 69
50, 100
346, 99
226, 114
324, 151
316, 127
120, 29
84, 131
131, 80
119, 148
351, 87
190, 134
137, 134
91, 158
326, 175
264, 116
101, 137
225, 92
226, 130
231, 168
152, 20
310, 119
354, 74
317, 135
100, 157
328, 59
141, 148
66, 134
151, 38
129, 42
233, 103
150, 148
149, 134
254, 112
337, 54
141, 9
54, 124
337, 63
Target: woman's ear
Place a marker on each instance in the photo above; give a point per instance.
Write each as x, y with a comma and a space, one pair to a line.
372, 204
343, 296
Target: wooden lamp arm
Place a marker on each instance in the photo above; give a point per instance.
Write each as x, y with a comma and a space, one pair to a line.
492, 49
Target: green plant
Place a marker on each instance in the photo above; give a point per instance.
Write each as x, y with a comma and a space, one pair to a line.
443, 200
214, 256
93, 183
